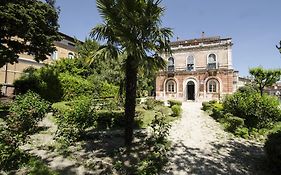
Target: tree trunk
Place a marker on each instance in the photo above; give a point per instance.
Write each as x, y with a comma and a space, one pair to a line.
130, 101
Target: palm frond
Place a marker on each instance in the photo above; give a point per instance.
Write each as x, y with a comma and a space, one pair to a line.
108, 51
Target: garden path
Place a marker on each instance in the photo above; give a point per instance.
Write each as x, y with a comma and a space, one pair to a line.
41, 145
201, 146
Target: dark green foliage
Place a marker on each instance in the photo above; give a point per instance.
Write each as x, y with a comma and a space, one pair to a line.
176, 109
273, 149
36, 167
25, 112
34, 22
74, 86
248, 88
242, 132
74, 117
264, 78
232, 123
64, 80
217, 110
132, 30
110, 119
174, 102
146, 82
206, 106
103, 89
157, 157
73, 121
43, 81
256, 110
151, 103
10, 154
4, 108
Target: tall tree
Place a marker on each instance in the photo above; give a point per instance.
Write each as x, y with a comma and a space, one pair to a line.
28, 26
132, 28
263, 77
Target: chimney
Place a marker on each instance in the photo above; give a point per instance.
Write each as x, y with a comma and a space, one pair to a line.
203, 34
178, 38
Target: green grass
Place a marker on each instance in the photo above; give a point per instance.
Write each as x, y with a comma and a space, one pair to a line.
36, 166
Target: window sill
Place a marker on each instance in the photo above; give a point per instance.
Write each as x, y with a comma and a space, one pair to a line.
171, 92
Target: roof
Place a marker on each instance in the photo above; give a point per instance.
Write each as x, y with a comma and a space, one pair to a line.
197, 41
69, 38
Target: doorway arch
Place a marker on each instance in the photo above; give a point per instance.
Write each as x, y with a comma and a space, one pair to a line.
190, 90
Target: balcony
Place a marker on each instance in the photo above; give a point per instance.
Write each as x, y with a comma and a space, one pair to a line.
212, 66
171, 68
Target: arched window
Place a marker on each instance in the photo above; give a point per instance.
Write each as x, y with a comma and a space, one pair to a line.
190, 63
171, 63
212, 86
171, 86
70, 55
212, 61
55, 55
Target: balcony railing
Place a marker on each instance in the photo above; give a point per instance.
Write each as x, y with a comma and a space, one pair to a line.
212, 66
171, 68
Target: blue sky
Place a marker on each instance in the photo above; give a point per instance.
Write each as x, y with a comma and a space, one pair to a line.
254, 25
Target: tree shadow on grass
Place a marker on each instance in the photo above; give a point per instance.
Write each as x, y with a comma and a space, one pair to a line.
234, 157
96, 153
101, 150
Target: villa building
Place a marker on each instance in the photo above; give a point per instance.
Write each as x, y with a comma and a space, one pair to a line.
198, 69
10, 72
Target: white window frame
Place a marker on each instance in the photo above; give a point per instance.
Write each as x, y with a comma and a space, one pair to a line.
187, 63
171, 86
55, 55
216, 62
70, 55
212, 89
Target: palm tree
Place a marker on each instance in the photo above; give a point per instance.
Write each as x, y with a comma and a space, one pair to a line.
132, 28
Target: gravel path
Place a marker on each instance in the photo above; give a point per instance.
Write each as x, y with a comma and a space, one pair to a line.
201, 146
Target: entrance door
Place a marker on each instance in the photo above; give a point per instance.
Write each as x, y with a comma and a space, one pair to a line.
190, 90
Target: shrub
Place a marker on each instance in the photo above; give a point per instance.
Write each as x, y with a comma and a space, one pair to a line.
151, 103
106, 104
76, 116
110, 119
37, 167
74, 86
43, 81
206, 106
26, 111
157, 156
24, 114
234, 123
174, 102
242, 132
72, 123
273, 149
248, 88
176, 110
10, 154
101, 88
256, 110
217, 111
